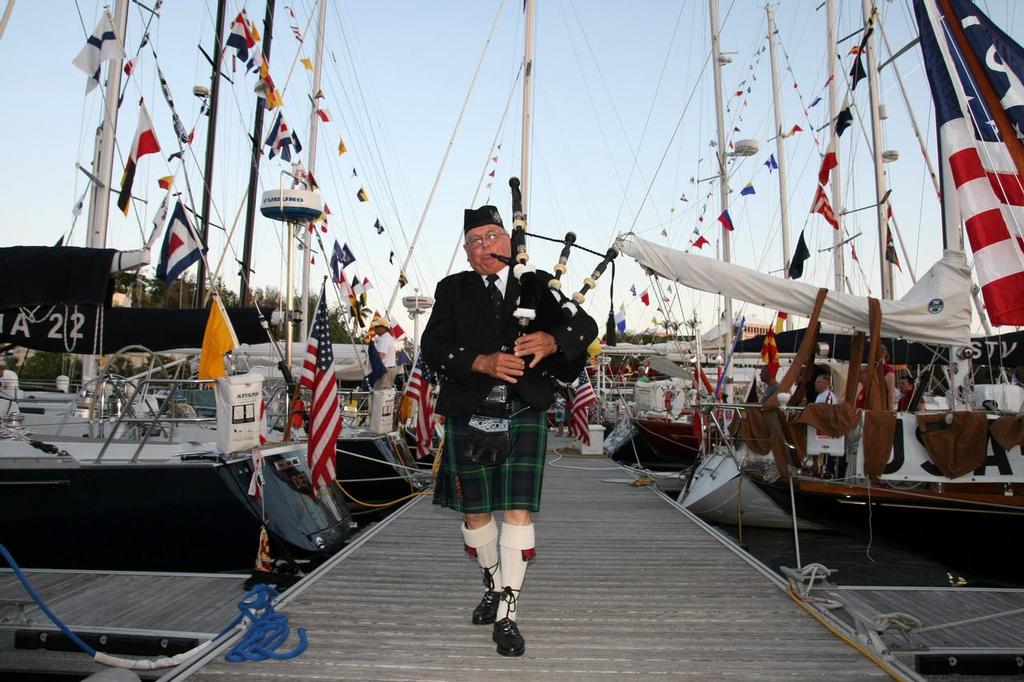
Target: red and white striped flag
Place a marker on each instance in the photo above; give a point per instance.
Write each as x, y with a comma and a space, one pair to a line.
976, 136
418, 389
584, 397
325, 409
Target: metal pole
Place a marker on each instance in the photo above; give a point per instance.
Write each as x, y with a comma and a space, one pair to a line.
780, 147
716, 57
838, 262
103, 161
289, 304
314, 119
524, 173
876, 148
254, 169
211, 139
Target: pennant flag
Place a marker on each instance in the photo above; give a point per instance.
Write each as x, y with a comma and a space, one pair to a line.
354, 174
890, 248
324, 114
377, 226
646, 298
361, 195
281, 139
336, 256
620, 319
748, 190
780, 322
583, 398
418, 389
391, 258
396, 329
828, 82
346, 256
771, 163
980, 138
296, 33
726, 221
701, 241
218, 339
796, 266
822, 206
307, 62
682, 197
129, 66
632, 290
342, 149
491, 174
158, 221
402, 279
844, 118
796, 129
101, 46
318, 375
165, 182
145, 142
181, 247
828, 163
60, 242
770, 352
857, 72
241, 36
817, 101
357, 286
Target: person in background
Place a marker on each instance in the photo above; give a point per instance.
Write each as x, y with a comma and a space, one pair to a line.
906, 386
561, 413
823, 390
384, 344
771, 384
889, 377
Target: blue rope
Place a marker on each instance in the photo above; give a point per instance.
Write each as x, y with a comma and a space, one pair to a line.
42, 605
267, 631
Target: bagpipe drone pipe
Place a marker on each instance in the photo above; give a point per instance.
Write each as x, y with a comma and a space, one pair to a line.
542, 306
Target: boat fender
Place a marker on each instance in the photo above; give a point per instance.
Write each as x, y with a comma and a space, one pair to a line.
668, 401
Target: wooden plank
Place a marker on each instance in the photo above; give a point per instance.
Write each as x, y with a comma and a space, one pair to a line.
624, 585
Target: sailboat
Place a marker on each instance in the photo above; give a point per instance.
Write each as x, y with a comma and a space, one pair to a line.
900, 476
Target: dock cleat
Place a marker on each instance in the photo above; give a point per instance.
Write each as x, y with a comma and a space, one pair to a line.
508, 639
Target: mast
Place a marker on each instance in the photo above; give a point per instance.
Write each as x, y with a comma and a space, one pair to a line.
254, 165
211, 139
530, 6
307, 252
876, 147
723, 177
780, 148
839, 263
103, 161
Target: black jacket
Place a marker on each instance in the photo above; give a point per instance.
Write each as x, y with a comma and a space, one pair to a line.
462, 326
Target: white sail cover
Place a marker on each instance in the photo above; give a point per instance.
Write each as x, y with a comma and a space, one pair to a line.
936, 310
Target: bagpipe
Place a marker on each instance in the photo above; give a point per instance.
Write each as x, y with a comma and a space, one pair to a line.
542, 305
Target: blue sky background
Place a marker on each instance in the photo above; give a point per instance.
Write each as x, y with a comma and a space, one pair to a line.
612, 82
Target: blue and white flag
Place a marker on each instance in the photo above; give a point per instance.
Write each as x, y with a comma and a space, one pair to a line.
181, 247
771, 163
102, 45
282, 139
620, 320
748, 189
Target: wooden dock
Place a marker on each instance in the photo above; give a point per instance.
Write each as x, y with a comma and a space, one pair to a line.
625, 585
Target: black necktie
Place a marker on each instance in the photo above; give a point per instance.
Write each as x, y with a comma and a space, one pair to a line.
495, 294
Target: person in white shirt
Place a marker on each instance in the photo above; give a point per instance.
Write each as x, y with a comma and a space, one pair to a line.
384, 344
822, 386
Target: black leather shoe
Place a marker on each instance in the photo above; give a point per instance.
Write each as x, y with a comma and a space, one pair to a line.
508, 639
487, 610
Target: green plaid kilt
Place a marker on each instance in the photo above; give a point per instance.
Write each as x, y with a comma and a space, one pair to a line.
472, 488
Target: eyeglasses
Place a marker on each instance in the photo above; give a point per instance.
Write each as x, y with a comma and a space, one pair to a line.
488, 238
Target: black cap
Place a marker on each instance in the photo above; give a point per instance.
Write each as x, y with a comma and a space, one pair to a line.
485, 215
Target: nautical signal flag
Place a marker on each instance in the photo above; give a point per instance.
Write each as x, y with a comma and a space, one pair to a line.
645, 297
165, 182
632, 290
391, 258
218, 339
102, 45
890, 248
620, 319
701, 242
377, 226
796, 266
844, 118
726, 221
402, 279
241, 36
181, 247
307, 62
829, 162
342, 149
770, 352
822, 206
282, 139
145, 142
748, 190
771, 163
361, 195
396, 329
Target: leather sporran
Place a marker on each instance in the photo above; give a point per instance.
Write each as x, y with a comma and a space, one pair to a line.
487, 438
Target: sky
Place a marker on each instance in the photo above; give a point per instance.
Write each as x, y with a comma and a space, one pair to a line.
623, 114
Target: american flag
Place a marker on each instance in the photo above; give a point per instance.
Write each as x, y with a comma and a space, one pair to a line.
324, 411
418, 389
580, 424
976, 155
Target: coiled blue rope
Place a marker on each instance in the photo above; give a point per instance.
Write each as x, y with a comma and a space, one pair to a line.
267, 631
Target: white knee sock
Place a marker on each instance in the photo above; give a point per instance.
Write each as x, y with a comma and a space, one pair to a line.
483, 542
516, 541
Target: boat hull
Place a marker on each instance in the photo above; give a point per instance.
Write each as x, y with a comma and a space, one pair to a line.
674, 443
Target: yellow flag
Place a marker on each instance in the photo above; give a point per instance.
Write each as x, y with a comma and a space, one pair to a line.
361, 195
307, 62
218, 339
341, 146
